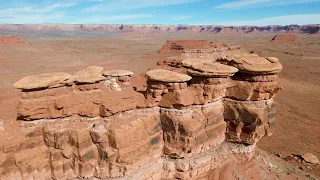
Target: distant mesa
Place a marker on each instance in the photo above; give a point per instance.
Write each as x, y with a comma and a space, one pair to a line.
11, 40
212, 29
179, 46
285, 38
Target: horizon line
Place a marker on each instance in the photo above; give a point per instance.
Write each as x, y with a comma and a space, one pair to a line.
136, 24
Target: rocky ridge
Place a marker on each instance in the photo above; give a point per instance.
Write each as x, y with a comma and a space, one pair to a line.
309, 29
208, 112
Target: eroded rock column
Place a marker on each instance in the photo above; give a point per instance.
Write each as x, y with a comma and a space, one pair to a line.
249, 107
189, 128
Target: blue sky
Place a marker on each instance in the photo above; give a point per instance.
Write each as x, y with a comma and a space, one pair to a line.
196, 12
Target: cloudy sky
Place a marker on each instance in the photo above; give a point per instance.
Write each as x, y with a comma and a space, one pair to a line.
197, 12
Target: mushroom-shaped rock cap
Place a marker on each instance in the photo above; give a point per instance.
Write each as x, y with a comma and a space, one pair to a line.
211, 69
91, 74
254, 64
117, 73
163, 75
44, 81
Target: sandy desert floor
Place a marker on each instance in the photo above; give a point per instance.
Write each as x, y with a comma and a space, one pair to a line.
298, 123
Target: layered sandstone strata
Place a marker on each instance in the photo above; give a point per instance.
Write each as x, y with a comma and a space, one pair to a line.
94, 124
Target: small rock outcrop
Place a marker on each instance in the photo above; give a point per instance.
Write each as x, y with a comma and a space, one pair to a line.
310, 158
184, 126
11, 40
50, 80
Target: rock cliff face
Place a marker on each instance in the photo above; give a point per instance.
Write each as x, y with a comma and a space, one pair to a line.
184, 126
309, 29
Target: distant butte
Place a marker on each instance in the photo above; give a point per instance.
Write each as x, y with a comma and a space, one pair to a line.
285, 38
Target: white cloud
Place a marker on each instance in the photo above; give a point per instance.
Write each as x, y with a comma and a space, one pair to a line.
300, 19
178, 18
101, 19
34, 13
114, 5
31, 19
35, 8
240, 4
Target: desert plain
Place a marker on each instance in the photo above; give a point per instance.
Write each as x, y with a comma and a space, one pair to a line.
297, 129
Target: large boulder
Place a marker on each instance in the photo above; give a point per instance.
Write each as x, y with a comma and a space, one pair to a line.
49, 80
91, 74
209, 69
253, 64
163, 75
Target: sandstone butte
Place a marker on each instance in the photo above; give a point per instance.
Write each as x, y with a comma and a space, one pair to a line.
285, 38
183, 126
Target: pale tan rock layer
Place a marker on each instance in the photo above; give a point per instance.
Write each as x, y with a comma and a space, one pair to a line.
163, 75
182, 127
49, 80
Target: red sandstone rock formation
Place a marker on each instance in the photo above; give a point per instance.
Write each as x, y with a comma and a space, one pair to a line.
285, 39
184, 126
11, 40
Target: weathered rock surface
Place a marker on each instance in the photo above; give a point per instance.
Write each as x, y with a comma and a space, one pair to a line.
192, 130
205, 90
253, 64
210, 69
49, 80
91, 74
249, 121
254, 91
310, 158
117, 73
166, 76
88, 100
